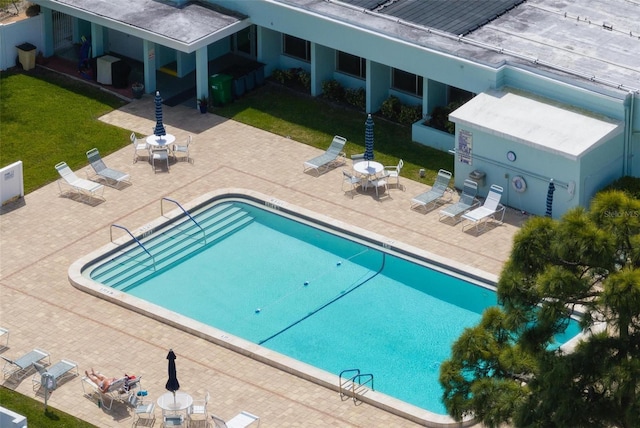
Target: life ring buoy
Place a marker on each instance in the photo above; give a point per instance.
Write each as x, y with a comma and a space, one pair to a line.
518, 184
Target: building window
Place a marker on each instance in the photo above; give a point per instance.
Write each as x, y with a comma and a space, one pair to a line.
351, 64
407, 82
458, 96
296, 47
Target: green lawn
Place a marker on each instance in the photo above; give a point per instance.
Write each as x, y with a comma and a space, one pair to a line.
36, 415
47, 118
314, 121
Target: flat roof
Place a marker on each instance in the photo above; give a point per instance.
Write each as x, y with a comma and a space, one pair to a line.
453, 16
184, 27
536, 122
590, 41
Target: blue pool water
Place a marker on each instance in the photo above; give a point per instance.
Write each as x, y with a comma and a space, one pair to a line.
328, 301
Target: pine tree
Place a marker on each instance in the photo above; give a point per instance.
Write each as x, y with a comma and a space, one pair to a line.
506, 370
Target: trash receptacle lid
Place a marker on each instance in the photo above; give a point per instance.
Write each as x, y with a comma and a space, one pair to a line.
26, 47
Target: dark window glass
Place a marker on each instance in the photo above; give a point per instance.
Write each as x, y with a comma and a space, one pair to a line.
460, 96
352, 64
296, 47
407, 82
244, 40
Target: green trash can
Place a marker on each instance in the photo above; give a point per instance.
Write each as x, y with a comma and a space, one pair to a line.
220, 85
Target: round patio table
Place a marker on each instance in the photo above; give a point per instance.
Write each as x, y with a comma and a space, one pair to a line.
181, 401
158, 141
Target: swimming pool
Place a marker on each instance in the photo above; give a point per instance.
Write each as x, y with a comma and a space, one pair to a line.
316, 292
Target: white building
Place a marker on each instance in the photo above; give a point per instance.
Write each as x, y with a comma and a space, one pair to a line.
554, 86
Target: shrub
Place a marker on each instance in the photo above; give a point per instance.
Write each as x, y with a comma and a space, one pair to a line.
32, 10
440, 117
391, 108
356, 97
333, 90
409, 114
304, 78
280, 76
629, 185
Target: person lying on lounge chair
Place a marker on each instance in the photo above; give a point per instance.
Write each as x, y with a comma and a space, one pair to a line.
101, 380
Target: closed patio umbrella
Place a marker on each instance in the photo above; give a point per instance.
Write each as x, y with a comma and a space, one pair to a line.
368, 138
552, 188
172, 383
159, 129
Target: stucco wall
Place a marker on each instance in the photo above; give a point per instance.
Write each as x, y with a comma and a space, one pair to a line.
16, 33
534, 166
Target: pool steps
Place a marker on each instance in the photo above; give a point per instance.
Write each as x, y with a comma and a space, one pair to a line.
175, 242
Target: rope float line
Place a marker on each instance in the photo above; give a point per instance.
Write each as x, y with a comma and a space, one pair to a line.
306, 283
335, 299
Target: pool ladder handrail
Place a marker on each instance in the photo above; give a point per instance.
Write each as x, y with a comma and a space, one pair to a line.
204, 235
351, 387
134, 238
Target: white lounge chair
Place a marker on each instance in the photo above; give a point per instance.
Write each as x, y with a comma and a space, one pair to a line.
466, 202
438, 192
85, 188
60, 370
21, 366
491, 207
4, 332
111, 176
117, 390
241, 420
334, 155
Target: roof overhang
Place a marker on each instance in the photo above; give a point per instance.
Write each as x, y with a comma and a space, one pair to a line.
185, 28
536, 122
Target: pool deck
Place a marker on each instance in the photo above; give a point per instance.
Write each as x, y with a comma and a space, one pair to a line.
43, 234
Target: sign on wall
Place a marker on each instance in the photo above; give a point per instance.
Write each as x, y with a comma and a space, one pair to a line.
11, 182
465, 147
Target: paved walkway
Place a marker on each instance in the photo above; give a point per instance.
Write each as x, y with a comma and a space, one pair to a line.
44, 233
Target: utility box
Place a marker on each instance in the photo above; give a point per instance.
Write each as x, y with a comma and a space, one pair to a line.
478, 176
220, 85
27, 56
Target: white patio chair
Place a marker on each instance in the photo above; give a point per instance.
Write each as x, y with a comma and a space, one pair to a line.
172, 420
350, 180
198, 410
380, 183
139, 146
159, 155
241, 420
142, 409
184, 149
393, 172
